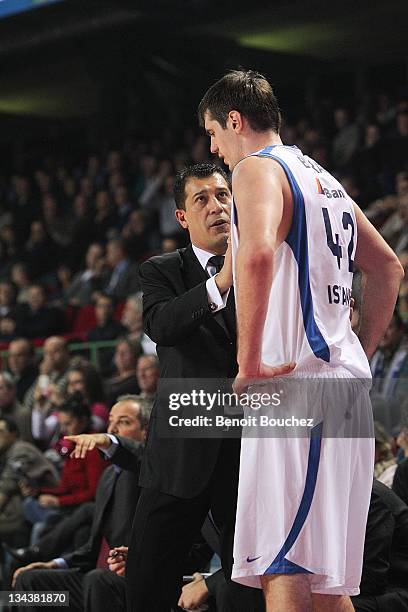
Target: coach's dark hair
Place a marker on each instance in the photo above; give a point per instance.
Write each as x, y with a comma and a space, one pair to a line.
247, 92
196, 171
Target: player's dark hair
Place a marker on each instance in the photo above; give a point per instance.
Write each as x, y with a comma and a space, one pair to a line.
247, 92
196, 171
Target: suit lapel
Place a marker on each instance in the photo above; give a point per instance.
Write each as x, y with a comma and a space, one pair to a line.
193, 273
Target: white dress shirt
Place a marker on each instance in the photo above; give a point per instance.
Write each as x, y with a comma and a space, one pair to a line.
213, 293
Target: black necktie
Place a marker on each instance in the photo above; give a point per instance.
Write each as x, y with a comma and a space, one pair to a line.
217, 261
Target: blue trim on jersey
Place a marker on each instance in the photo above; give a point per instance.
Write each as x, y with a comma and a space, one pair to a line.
297, 240
280, 565
266, 150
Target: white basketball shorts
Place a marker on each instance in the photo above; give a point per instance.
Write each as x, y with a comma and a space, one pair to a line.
303, 501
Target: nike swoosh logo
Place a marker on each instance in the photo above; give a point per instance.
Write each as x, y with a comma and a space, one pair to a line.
254, 559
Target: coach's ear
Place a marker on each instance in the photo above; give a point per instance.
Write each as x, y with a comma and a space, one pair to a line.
181, 217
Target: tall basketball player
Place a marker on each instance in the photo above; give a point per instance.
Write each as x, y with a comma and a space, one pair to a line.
296, 235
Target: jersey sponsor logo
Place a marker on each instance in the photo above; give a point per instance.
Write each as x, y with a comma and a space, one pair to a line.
249, 560
329, 193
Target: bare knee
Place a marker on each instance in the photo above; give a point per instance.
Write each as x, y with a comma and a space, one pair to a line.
331, 603
287, 593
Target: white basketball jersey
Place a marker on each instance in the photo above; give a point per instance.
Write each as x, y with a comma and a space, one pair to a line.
307, 320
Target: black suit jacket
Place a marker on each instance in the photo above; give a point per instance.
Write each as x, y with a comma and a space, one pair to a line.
115, 505
192, 342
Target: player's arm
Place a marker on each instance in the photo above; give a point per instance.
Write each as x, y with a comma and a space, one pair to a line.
258, 198
382, 275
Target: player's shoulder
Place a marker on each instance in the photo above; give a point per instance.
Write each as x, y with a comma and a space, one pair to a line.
256, 168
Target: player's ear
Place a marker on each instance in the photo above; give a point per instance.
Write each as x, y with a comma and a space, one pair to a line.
235, 119
181, 217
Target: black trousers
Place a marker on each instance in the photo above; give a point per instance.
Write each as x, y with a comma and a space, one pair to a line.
394, 601
163, 531
97, 590
70, 533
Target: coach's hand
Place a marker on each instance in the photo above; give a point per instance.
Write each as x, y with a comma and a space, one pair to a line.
87, 442
264, 372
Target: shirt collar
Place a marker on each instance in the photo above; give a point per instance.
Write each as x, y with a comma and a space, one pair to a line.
202, 256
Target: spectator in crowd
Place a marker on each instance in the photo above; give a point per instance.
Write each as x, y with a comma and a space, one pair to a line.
10, 251
146, 181
385, 462
23, 206
95, 172
159, 198
124, 381
387, 361
397, 142
402, 438
41, 253
105, 217
22, 365
403, 294
393, 228
124, 276
61, 284
400, 482
9, 311
107, 328
401, 240
85, 379
346, 140
84, 572
82, 231
135, 236
90, 280
147, 375
81, 378
52, 375
11, 407
7, 299
57, 225
19, 462
37, 319
79, 477
132, 319
22, 281
123, 206
369, 163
